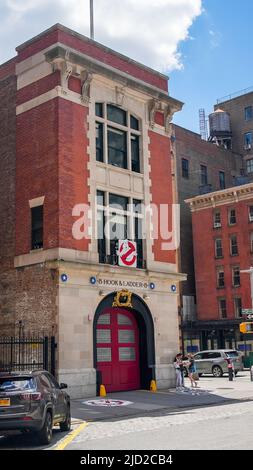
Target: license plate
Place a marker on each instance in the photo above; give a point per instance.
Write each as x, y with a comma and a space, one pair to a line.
5, 402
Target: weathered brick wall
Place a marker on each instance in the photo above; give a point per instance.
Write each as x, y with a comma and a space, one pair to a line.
7, 202
161, 188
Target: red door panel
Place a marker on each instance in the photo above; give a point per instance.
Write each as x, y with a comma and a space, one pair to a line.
118, 350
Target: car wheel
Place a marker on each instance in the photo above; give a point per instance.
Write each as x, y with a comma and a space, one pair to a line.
45, 434
217, 371
66, 425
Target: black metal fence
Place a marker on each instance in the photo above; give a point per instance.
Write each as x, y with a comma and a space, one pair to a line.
27, 353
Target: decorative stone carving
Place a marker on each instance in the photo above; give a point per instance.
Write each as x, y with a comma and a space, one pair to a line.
168, 115
86, 82
66, 71
154, 105
120, 95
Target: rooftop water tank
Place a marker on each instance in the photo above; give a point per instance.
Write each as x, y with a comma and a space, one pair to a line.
219, 124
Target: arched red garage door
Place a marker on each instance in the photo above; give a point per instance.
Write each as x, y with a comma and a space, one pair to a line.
117, 343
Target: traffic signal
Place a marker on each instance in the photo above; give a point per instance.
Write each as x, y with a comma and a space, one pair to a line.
246, 327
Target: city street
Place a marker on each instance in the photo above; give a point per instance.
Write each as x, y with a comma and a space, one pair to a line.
217, 416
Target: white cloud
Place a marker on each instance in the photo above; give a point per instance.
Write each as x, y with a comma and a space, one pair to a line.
149, 31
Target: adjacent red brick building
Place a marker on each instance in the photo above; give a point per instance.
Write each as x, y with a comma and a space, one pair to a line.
223, 246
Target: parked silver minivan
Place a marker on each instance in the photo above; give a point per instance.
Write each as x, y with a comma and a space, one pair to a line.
214, 361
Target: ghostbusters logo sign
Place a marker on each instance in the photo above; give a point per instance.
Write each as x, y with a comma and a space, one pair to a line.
127, 253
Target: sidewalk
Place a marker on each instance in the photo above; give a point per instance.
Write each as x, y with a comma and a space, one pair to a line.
211, 391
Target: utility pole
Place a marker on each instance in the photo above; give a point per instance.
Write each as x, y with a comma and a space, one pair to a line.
91, 20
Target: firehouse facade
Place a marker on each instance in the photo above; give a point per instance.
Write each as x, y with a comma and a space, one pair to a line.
92, 129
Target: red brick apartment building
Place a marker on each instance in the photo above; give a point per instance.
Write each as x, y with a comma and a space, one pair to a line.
82, 124
223, 247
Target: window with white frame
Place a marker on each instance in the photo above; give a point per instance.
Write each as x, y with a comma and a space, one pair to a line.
118, 218
220, 277
117, 137
249, 165
218, 248
251, 213
232, 216
248, 113
217, 219
233, 245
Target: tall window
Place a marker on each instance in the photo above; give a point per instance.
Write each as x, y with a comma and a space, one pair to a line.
251, 213
203, 175
236, 276
37, 227
223, 308
222, 180
251, 242
185, 168
117, 137
249, 165
233, 245
248, 113
238, 307
247, 139
118, 218
217, 219
232, 216
218, 248
220, 277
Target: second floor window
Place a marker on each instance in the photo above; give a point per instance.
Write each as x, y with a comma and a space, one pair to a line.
236, 276
185, 168
118, 218
117, 137
238, 307
37, 227
203, 175
223, 308
233, 245
218, 248
232, 217
251, 213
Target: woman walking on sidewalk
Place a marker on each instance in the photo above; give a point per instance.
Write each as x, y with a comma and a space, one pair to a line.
192, 371
178, 366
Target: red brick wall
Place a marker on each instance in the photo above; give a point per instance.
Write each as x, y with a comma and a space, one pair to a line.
37, 173
8, 68
92, 49
7, 203
38, 88
206, 264
161, 186
73, 171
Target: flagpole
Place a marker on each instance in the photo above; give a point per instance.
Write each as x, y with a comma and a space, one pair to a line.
91, 20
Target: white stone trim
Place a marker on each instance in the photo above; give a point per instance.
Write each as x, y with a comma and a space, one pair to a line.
38, 201
48, 96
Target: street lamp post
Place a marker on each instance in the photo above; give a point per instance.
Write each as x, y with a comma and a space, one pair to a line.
91, 20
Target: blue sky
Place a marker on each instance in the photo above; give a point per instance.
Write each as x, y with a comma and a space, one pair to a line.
204, 45
217, 60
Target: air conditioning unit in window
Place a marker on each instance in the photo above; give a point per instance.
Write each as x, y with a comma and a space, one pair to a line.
247, 147
217, 225
251, 217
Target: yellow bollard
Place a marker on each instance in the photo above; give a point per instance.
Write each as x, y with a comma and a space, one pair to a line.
153, 387
102, 391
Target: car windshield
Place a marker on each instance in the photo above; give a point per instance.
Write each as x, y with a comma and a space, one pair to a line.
231, 353
16, 384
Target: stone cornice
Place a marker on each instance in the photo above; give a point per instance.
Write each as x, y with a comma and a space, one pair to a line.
219, 198
59, 56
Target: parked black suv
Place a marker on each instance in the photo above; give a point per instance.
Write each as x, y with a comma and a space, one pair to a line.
33, 401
